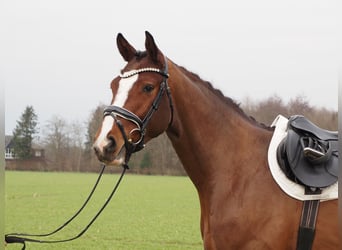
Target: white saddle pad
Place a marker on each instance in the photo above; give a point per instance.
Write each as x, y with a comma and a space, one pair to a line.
291, 188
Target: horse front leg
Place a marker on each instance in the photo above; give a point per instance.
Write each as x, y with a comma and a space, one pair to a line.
207, 237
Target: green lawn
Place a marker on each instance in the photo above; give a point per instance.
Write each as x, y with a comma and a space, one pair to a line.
148, 212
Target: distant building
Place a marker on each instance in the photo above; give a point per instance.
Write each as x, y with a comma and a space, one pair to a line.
9, 153
37, 152
36, 162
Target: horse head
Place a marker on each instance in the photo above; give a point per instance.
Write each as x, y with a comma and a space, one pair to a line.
141, 106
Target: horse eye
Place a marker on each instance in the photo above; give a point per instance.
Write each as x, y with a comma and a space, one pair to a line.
148, 88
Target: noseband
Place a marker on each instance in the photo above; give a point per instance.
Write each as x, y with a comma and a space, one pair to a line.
119, 112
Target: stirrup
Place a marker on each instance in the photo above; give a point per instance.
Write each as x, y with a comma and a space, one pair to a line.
315, 151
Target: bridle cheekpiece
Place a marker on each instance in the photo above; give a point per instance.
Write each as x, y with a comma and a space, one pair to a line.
118, 112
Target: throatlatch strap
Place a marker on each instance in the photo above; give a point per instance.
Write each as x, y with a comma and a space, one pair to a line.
307, 225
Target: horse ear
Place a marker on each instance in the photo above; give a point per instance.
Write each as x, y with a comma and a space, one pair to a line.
126, 50
152, 49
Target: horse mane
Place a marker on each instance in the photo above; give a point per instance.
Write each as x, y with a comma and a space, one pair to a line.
227, 100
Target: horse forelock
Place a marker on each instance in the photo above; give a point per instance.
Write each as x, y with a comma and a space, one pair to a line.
138, 62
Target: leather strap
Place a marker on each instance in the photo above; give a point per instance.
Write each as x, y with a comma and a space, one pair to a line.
306, 232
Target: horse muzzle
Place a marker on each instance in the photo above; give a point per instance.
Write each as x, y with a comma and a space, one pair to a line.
110, 154
114, 145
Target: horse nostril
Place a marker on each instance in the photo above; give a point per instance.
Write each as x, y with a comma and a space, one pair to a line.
97, 150
110, 147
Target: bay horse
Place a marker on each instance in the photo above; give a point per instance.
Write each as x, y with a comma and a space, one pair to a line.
223, 151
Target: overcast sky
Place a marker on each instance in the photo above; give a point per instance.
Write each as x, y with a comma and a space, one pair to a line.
60, 56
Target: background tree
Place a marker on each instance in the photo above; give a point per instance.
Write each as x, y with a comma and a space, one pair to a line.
266, 111
56, 142
76, 145
91, 162
63, 143
24, 132
146, 161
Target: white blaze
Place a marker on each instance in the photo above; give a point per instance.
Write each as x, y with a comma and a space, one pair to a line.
125, 85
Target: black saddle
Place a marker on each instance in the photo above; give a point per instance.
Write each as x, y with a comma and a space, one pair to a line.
308, 154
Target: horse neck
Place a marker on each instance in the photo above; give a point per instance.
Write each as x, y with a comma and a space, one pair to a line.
208, 134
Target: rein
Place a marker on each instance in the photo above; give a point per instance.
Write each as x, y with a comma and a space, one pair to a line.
23, 237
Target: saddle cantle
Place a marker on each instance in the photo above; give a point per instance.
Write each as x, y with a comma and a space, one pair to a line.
308, 154
302, 125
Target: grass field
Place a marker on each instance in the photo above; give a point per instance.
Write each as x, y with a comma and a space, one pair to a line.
148, 212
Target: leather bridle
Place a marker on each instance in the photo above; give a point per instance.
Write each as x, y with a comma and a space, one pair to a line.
121, 113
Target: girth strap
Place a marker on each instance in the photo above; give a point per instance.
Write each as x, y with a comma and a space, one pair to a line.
307, 225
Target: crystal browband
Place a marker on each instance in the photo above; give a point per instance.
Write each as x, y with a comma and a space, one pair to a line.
137, 71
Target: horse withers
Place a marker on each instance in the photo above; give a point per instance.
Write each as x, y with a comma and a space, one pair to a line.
223, 151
